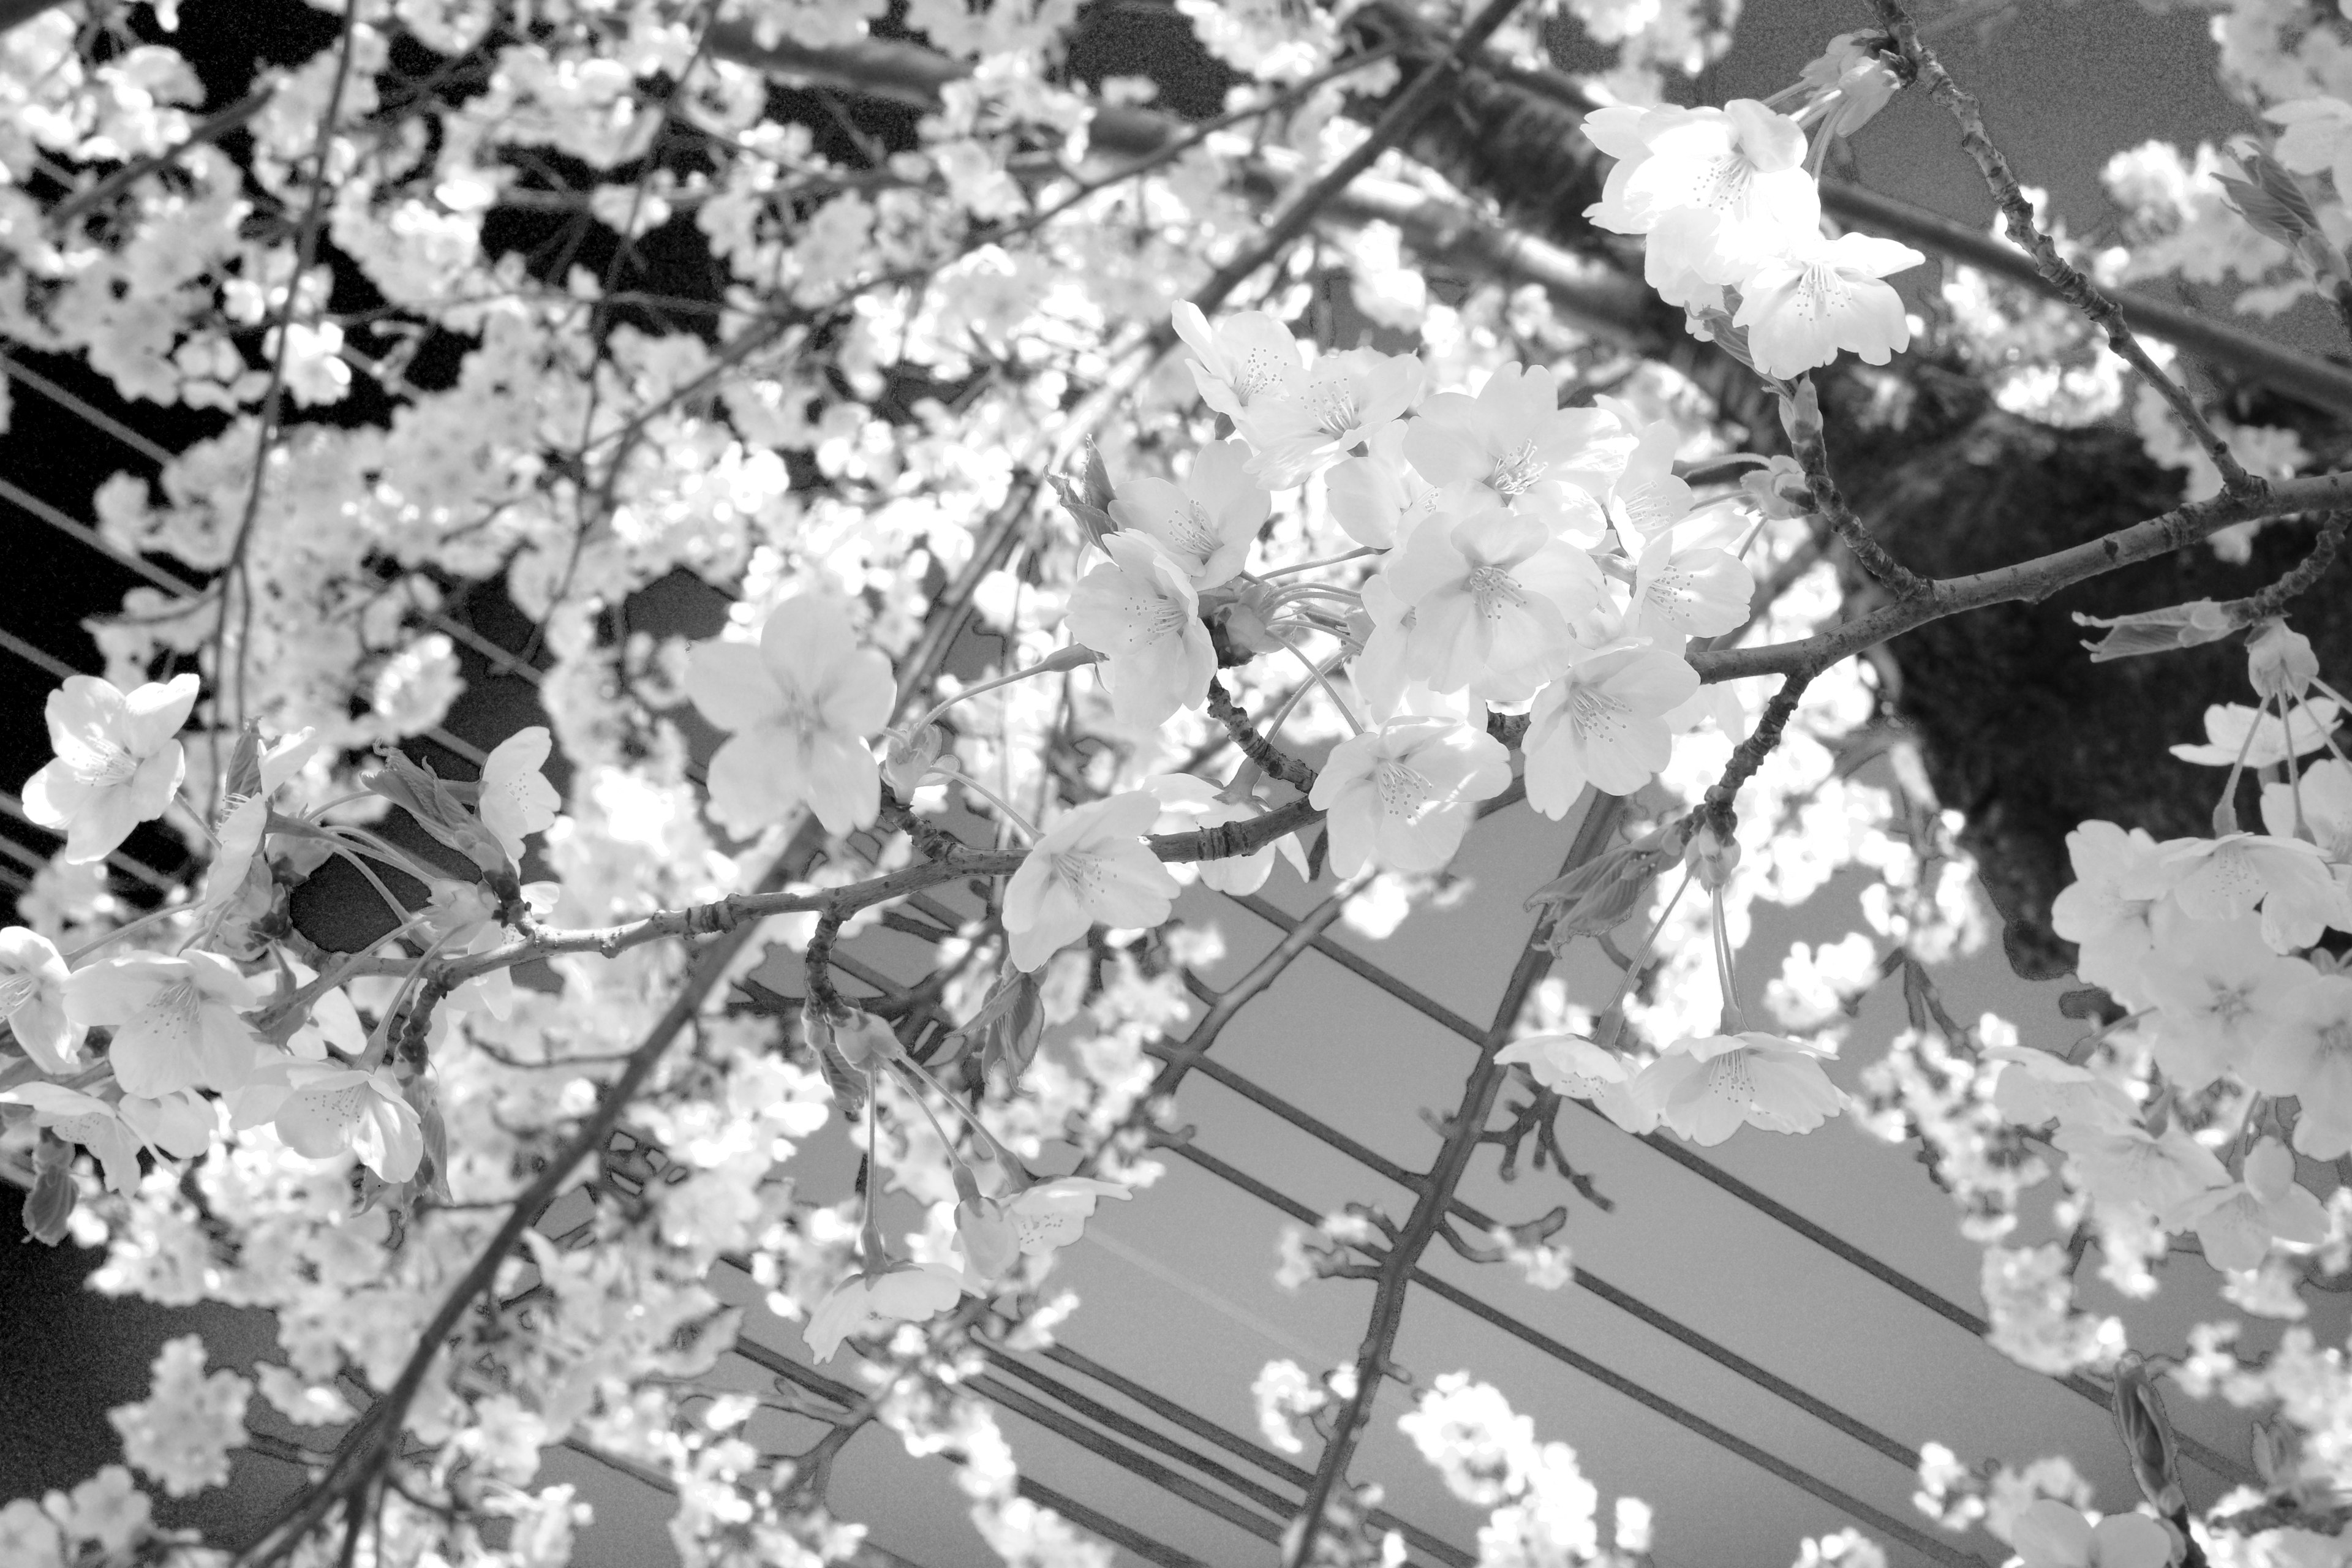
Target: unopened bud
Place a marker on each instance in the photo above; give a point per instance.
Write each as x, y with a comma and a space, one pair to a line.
1862, 78
863, 1040
2280, 662
1779, 489
906, 759
1800, 413
1711, 858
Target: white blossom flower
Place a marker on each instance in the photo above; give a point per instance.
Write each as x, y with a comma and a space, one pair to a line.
1241, 360
28, 1538
2218, 988
2236, 1224
1516, 442
1402, 796
2227, 723
2324, 789
2308, 1053
322, 1112
1646, 497
2119, 879
1341, 403
2317, 139
1208, 521
1140, 612
904, 1292
798, 708
2221, 879
1704, 1087
175, 1020
1282, 1392
108, 1508
2127, 1165
1722, 190
1092, 867
1491, 593
1378, 497
1823, 295
2049, 1535
1684, 590
1575, 1067
181, 1432
1603, 723
33, 999
1478, 1444
1552, 1520
118, 764
517, 799
1037, 1222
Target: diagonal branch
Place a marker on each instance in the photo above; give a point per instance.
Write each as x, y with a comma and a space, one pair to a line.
1397, 1269
2062, 275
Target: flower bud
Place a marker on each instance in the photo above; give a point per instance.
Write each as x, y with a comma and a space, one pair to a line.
1862, 81
1712, 859
2280, 662
863, 1040
905, 760
1779, 489
1800, 413
1601, 894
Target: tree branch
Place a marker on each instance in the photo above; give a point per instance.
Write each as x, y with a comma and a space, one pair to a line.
2072, 286
2032, 581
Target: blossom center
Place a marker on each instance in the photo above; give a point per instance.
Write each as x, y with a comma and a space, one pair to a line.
1333, 405
1821, 292
1723, 182
1594, 712
1081, 871
1404, 790
1196, 532
101, 761
16, 991
1517, 470
1493, 589
1645, 509
1256, 371
1728, 1079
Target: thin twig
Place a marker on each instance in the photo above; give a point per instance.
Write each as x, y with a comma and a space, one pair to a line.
2077, 290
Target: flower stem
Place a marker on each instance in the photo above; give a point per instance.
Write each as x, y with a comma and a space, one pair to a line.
1019, 823
1070, 657
1356, 554
118, 933
1324, 679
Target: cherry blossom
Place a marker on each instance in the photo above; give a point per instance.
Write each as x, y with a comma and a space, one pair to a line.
33, 1000
798, 707
321, 1111
2237, 1225
82, 1119
2308, 1055
1687, 589
1379, 498
1576, 1068
2221, 879
1402, 796
1514, 441
1037, 1222
2317, 139
1241, 361
2219, 988
181, 1432
1207, 522
1725, 188
1645, 497
1491, 594
2325, 791
2166, 1173
2119, 877
517, 799
1344, 400
2230, 725
1092, 867
1707, 1087
903, 1292
1823, 295
2048, 1534
175, 1020
1602, 723
118, 764
1140, 612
